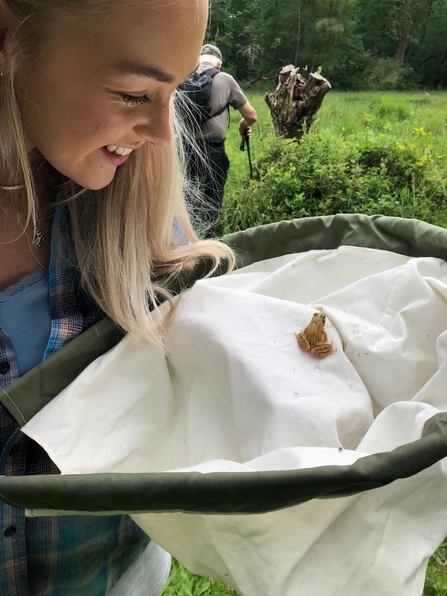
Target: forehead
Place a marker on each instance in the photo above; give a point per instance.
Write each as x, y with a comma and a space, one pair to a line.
162, 33
180, 15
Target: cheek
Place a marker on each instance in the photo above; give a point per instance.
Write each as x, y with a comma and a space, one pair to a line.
101, 127
70, 129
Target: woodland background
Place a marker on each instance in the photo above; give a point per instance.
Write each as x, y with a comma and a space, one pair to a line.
374, 45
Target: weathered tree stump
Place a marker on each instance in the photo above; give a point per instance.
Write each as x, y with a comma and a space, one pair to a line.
295, 101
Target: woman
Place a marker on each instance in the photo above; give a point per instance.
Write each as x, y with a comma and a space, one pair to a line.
90, 189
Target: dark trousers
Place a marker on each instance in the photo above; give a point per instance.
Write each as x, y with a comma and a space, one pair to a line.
208, 172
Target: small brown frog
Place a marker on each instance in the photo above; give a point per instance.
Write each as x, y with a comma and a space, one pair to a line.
313, 338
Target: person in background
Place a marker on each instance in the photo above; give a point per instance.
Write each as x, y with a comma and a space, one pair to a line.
208, 168
90, 199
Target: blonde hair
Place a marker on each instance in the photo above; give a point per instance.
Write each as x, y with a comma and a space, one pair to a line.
123, 234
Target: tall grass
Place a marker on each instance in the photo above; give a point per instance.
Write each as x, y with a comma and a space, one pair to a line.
401, 132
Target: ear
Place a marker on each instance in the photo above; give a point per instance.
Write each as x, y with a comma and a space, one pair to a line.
219, 66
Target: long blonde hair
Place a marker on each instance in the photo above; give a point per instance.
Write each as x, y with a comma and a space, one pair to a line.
123, 234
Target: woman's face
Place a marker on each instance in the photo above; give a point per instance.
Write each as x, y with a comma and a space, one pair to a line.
110, 85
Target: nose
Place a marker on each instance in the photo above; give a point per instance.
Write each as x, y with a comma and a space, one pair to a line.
157, 128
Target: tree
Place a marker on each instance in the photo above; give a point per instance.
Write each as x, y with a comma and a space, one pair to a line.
409, 15
345, 37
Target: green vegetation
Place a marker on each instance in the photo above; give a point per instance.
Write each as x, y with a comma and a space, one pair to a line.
436, 578
378, 45
366, 153
183, 583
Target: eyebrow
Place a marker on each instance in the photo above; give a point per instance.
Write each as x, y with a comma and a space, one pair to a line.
142, 70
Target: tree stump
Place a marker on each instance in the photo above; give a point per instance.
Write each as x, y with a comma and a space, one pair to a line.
295, 101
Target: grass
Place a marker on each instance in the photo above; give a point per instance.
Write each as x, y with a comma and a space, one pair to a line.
183, 583
417, 117
398, 114
404, 115
436, 577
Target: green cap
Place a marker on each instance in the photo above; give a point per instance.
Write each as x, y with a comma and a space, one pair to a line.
211, 51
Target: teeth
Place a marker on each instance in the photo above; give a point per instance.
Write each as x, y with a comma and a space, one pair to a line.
118, 150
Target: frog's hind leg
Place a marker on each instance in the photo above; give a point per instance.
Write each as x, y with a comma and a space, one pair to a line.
303, 342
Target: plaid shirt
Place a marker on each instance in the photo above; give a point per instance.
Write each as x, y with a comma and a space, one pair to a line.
57, 556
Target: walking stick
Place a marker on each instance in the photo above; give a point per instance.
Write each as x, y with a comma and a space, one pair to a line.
246, 141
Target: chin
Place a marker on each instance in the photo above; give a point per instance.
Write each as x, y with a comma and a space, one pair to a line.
86, 173
88, 180
94, 185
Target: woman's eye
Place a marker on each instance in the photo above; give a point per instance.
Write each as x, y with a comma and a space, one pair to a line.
136, 100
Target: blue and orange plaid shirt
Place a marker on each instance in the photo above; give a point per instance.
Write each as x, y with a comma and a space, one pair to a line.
57, 556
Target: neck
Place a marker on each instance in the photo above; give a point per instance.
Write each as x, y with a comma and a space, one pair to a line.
18, 255
46, 182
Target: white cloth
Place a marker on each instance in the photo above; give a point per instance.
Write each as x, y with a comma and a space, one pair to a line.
240, 395
147, 576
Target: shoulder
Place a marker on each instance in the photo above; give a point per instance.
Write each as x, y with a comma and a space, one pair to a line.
230, 89
224, 77
226, 81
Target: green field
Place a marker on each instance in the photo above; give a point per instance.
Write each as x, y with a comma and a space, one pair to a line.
418, 117
411, 126
366, 153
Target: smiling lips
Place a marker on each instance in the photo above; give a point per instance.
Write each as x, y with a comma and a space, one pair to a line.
123, 151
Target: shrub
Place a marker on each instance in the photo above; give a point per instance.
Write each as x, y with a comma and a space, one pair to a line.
325, 174
386, 74
390, 108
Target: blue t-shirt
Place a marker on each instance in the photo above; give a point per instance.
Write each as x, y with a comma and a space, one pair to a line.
25, 313
25, 317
